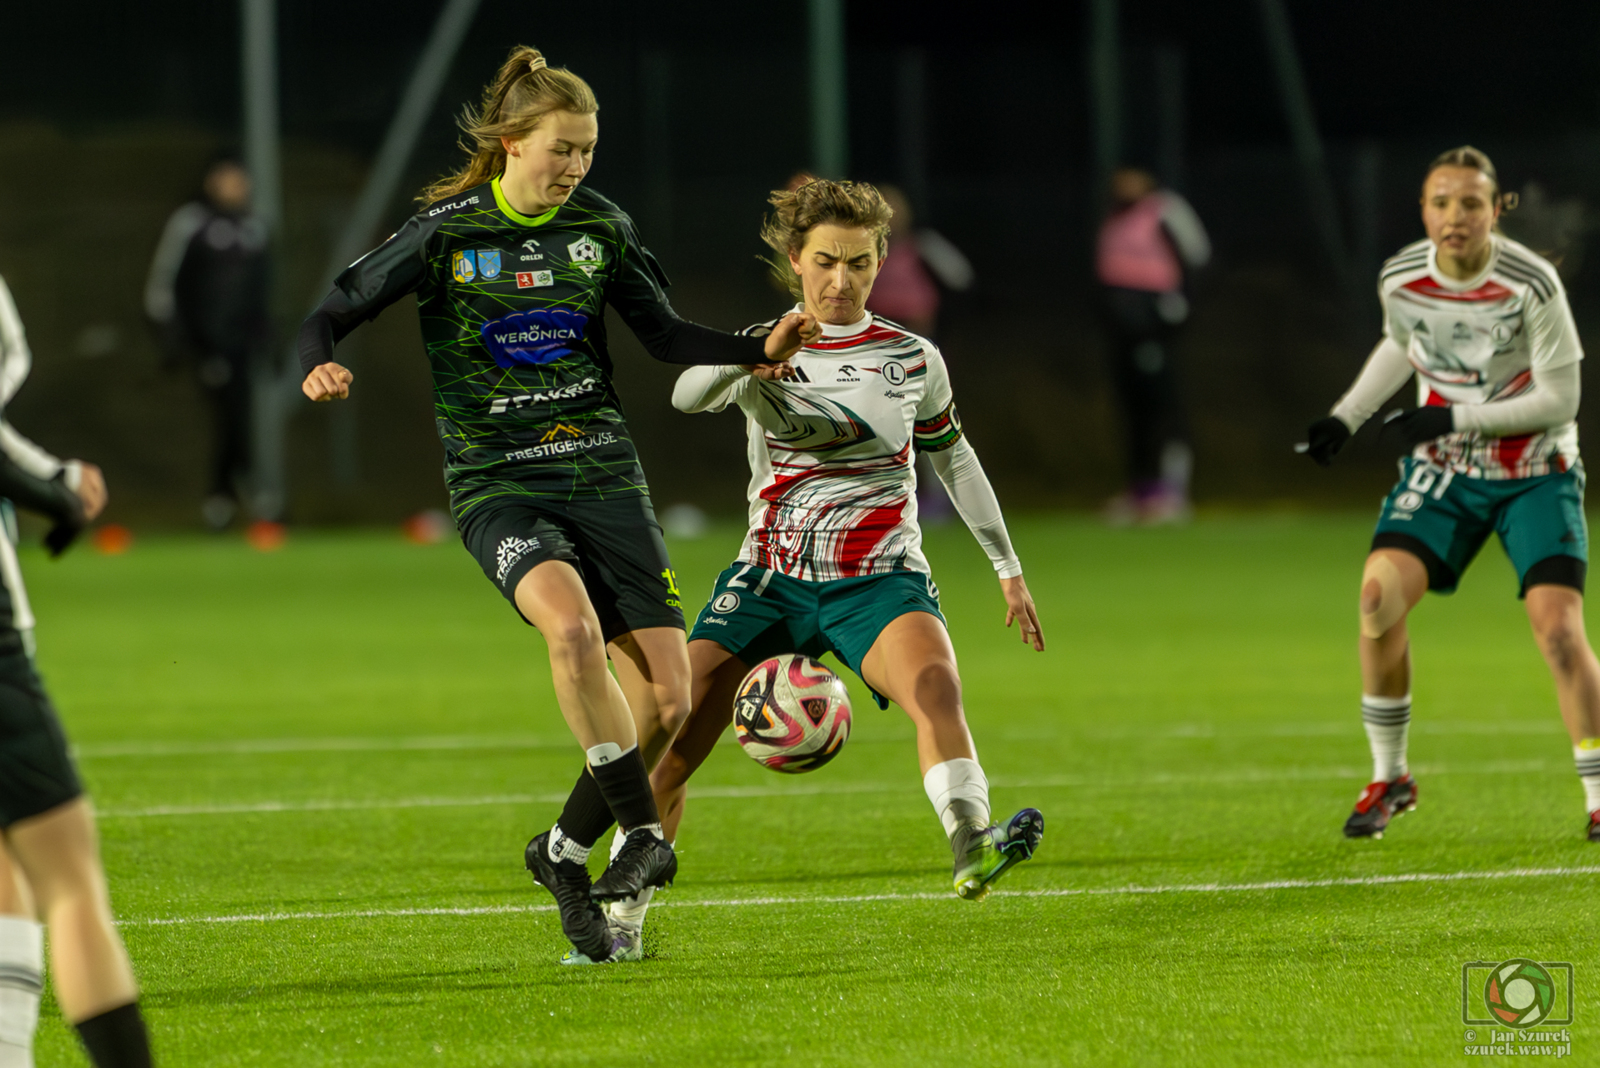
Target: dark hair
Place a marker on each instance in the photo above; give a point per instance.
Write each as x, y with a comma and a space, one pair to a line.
816, 202
521, 95
1475, 159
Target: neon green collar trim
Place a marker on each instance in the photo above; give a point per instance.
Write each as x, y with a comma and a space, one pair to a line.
516, 216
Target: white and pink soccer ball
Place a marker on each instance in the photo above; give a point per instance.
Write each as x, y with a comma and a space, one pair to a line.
791, 713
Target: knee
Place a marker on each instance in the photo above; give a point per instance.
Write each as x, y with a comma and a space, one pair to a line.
937, 687
1383, 598
1563, 642
674, 712
575, 644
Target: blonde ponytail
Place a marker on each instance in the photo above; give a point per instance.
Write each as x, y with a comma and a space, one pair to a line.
524, 91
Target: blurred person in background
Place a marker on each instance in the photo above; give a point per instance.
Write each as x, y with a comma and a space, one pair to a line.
50, 858
908, 291
1483, 325
207, 295
1147, 246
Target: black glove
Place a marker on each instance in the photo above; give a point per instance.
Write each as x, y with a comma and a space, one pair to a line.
62, 535
1419, 424
1325, 438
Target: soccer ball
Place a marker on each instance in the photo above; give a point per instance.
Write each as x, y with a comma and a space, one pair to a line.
791, 713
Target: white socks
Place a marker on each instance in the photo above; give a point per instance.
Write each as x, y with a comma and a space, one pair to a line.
1586, 754
630, 911
21, 981
959, 793
1386, 720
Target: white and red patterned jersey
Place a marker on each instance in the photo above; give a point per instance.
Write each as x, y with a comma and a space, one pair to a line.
832, 484
1478, 341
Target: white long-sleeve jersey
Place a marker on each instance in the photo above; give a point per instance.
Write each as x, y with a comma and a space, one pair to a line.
16, 360
832, 480
1500, 349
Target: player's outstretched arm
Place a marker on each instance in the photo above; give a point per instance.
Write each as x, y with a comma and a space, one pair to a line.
1020, 607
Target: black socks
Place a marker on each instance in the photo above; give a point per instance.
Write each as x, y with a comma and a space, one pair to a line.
625, 784
586, 815
117, 1039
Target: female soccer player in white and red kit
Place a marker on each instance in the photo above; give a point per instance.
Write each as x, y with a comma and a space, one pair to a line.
1483, 324
833, 559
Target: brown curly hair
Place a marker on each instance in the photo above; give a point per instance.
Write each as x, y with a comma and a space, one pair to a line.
522, 93
817, 202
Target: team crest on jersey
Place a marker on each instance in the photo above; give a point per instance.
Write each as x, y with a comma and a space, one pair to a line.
894, 373
464, 265
488, 263
532, 338
585, 254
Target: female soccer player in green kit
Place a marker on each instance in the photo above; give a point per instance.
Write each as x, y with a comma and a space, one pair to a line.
1483, 324
514, 261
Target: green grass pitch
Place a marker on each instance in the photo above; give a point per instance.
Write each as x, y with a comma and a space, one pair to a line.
316, 771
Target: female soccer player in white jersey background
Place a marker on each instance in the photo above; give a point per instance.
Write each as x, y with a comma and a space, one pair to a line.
1484, 325
833, 559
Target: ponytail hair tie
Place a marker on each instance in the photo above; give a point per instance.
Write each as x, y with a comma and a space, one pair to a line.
536, 64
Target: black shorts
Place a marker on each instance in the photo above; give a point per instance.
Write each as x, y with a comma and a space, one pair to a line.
616, 546
36, 773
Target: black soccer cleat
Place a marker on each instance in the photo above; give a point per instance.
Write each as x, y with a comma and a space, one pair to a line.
644, 860
568, 882
1378, 804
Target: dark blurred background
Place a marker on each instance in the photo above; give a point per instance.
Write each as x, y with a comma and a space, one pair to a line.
990, 119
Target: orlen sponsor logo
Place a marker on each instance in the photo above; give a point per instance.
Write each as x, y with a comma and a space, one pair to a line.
564, 446
533, 337
577, 389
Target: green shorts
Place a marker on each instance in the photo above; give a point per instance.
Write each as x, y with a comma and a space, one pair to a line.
1443, 518
755, 613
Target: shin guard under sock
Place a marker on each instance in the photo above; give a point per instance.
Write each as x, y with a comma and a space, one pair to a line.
625, 784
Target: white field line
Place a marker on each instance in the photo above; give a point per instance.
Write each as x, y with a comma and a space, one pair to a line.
853, 899
445, 743
1241, 775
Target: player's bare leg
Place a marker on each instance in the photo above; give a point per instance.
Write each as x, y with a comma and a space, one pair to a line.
716, 676
614, 784
652, 667
58, 855
22, 962
552, 597
1392, 583
914, 665
1556, 614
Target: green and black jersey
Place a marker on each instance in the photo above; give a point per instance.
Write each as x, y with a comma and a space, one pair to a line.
513, 318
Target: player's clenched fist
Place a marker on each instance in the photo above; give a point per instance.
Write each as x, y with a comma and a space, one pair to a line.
793, 331
328, 381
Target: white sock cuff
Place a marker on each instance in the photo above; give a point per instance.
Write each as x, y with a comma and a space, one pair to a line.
21, 943
1386, 704
607, 752
954, 785
21, 983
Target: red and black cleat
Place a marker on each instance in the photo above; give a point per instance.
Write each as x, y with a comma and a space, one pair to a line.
1594, 825
1379, 803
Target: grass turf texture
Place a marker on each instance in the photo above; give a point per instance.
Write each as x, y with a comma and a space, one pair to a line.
355, 725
